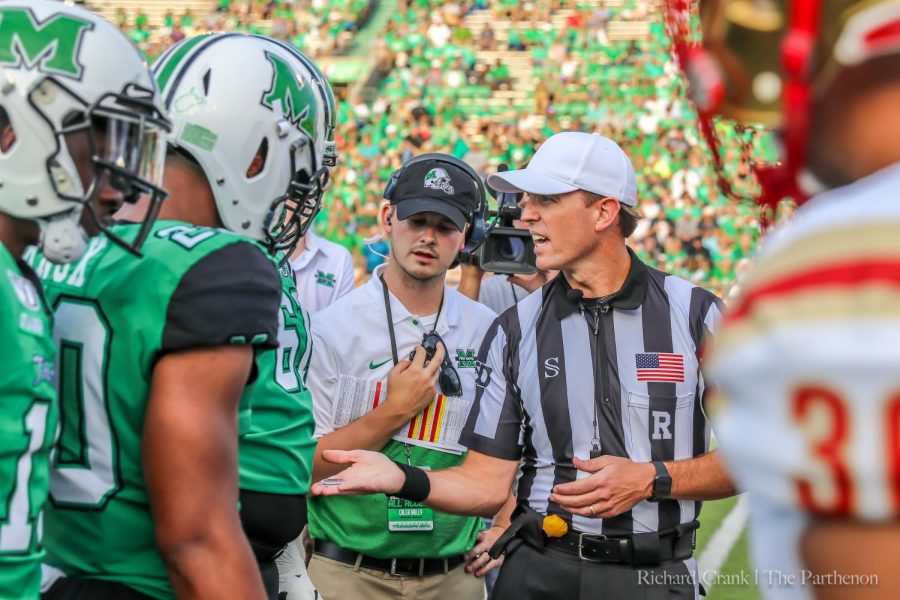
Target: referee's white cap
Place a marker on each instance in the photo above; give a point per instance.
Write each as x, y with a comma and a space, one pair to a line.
573, 160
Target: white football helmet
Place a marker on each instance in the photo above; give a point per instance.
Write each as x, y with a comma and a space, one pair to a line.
65, 70
232, 97
330, 107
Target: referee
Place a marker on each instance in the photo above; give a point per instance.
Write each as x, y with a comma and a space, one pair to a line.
594, 384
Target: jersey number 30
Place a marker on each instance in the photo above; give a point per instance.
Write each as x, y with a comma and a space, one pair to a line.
827, 418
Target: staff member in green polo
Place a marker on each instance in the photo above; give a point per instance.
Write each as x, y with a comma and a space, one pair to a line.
367, 394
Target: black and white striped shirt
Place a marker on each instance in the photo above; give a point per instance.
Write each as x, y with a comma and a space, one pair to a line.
548, 391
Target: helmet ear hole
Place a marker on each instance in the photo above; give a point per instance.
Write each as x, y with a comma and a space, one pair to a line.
258, 163
206, 82
7, 132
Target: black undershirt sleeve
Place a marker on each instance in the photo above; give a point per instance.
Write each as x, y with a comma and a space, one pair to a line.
230, 296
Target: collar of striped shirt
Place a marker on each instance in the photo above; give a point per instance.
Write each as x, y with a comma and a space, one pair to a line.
629, 297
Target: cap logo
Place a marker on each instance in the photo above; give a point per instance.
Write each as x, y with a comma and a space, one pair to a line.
438, 179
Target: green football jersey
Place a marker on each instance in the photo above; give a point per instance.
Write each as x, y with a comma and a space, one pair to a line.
27, 424
115, 316
276, 454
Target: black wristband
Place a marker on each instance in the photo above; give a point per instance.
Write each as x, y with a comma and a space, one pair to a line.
417, 485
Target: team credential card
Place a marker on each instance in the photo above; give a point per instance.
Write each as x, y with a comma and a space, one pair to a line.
438, 427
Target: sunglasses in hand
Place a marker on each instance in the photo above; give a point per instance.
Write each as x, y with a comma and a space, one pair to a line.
448, 380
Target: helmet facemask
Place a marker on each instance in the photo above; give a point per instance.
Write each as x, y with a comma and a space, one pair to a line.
125, 134
292, 213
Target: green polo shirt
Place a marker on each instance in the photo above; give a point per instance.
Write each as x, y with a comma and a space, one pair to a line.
360, 523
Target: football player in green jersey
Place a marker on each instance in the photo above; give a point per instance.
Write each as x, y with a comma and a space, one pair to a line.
79, 133
250, 120
155, 359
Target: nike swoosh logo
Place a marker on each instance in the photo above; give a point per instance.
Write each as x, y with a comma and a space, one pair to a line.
372, 364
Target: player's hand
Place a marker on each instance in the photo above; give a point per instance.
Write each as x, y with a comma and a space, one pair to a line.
479, 562
368, 473
617, 484
532, 281
411, 384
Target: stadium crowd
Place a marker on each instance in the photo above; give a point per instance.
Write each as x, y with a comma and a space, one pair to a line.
440, 95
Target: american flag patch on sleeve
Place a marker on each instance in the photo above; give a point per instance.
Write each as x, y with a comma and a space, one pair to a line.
660, 366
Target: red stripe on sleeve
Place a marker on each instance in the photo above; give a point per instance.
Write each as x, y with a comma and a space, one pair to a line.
843, 275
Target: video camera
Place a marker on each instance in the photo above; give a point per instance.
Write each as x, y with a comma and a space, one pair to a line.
506, 249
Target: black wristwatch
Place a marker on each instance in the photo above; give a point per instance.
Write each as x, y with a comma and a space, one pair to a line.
662, 483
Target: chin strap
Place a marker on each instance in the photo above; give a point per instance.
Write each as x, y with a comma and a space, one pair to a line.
63, 240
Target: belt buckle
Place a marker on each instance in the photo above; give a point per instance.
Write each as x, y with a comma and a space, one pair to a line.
393, 570
581, 545
623, 545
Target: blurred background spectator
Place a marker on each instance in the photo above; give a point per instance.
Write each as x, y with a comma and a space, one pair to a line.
486, 82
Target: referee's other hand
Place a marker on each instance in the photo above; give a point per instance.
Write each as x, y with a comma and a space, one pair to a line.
615, 485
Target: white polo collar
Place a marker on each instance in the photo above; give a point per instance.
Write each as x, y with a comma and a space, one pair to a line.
312, 248
448, 318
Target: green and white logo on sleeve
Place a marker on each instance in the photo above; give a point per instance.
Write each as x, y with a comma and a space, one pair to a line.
51, 46
290, 96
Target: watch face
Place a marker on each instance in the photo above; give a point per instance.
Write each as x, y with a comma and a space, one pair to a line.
662, 483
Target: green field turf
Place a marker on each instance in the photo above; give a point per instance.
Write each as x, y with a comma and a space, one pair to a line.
731, 581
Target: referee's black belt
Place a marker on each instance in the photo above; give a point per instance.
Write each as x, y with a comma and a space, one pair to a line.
404, 567
636, 549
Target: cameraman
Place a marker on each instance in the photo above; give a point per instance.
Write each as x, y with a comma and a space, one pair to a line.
375, 546
507, 249
498, 292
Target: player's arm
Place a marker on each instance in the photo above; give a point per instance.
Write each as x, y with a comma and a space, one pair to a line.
225, 303
411, 387
191, 467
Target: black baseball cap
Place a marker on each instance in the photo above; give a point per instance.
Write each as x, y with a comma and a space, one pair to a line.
438, 187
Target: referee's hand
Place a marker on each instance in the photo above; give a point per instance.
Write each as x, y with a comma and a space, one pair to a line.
368, 473
615, 486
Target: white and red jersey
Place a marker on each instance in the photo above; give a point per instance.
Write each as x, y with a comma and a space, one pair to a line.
808, 362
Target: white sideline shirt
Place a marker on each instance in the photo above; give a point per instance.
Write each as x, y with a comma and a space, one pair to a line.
351, 340
324, 273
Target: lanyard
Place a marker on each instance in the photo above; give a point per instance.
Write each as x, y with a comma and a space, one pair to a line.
390, 321
390, 318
